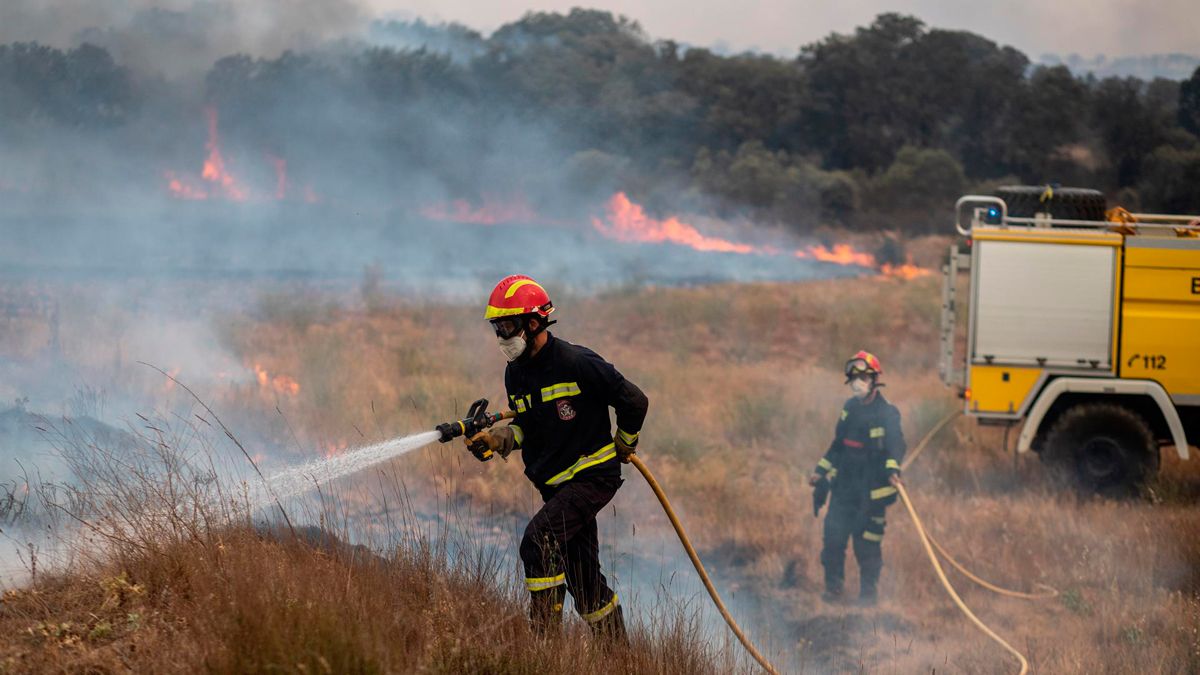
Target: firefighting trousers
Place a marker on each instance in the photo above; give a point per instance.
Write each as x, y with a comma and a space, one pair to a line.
561, 548
863, 526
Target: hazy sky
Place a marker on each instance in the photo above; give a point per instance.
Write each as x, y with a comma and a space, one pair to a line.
1086, 27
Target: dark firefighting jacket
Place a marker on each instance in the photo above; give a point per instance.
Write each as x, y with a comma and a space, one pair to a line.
867, 449
561, 396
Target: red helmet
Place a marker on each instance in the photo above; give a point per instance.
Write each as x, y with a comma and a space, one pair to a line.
863, 362
516, 295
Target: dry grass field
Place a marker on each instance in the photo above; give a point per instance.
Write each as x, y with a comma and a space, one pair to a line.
744, 383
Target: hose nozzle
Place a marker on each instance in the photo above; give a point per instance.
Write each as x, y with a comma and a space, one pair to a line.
477, 419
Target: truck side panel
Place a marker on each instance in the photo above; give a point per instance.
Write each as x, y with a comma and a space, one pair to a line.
1160, 312
1001, 389
1044, 301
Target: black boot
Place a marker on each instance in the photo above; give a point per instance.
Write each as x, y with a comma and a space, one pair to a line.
833, 584
545, 611
868, 596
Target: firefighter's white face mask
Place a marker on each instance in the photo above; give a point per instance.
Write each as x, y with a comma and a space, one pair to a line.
512, 347
861, 387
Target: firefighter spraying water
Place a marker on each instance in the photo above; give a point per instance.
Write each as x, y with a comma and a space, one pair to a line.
559, 395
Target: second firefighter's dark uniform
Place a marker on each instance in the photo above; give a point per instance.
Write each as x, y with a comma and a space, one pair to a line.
561, 396
867, 449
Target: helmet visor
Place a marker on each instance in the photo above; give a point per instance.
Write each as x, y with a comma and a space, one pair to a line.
858, 368
507, 327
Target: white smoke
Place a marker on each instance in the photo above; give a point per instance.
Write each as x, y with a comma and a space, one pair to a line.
181, 37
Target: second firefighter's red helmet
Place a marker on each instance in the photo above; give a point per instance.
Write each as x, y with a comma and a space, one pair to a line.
516, 295
863, 363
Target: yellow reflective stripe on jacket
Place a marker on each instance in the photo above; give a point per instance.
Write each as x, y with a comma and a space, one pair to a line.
878, 520
891, 464
518, 433
518, 403
845, 414
627, 438
832, 473
587, 461
824, 464
544, 583
593, 617
560, 390
877, 432
880, 493
871, 536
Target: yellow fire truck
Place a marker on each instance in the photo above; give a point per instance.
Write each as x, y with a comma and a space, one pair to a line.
1082, 327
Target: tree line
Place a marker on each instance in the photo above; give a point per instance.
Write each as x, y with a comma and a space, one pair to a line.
883, 127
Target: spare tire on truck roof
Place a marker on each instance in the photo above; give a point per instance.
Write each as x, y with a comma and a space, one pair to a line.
1062, 203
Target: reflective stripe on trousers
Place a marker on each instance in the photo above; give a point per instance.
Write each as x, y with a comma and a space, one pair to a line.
544, 583
883, 492
593, 617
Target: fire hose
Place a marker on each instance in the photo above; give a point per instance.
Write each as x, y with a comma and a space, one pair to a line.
708, 585
931, 545
950, 589
1046, 593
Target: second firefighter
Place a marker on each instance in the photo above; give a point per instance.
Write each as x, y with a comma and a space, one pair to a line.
859, 474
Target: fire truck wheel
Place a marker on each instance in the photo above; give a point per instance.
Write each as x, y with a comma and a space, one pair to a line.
1102, 448
1023, 201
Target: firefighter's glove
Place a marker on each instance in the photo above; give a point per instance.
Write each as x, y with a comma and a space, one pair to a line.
815, 478
499, 440
820, 495
626, 445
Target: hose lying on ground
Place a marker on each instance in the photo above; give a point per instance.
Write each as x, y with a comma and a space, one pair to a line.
687, 545
931, 545
950, 589
1044, 594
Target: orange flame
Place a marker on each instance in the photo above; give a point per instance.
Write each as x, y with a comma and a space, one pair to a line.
216, 178
168, 385
493, 211
183, 190
335, 449
214, 166
842, 254
907, 271
279, 384
627, 221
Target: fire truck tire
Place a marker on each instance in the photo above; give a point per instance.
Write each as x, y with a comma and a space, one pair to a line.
1066, 203
1102, 448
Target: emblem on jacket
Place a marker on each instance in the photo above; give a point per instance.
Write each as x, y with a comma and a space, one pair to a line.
565, 411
